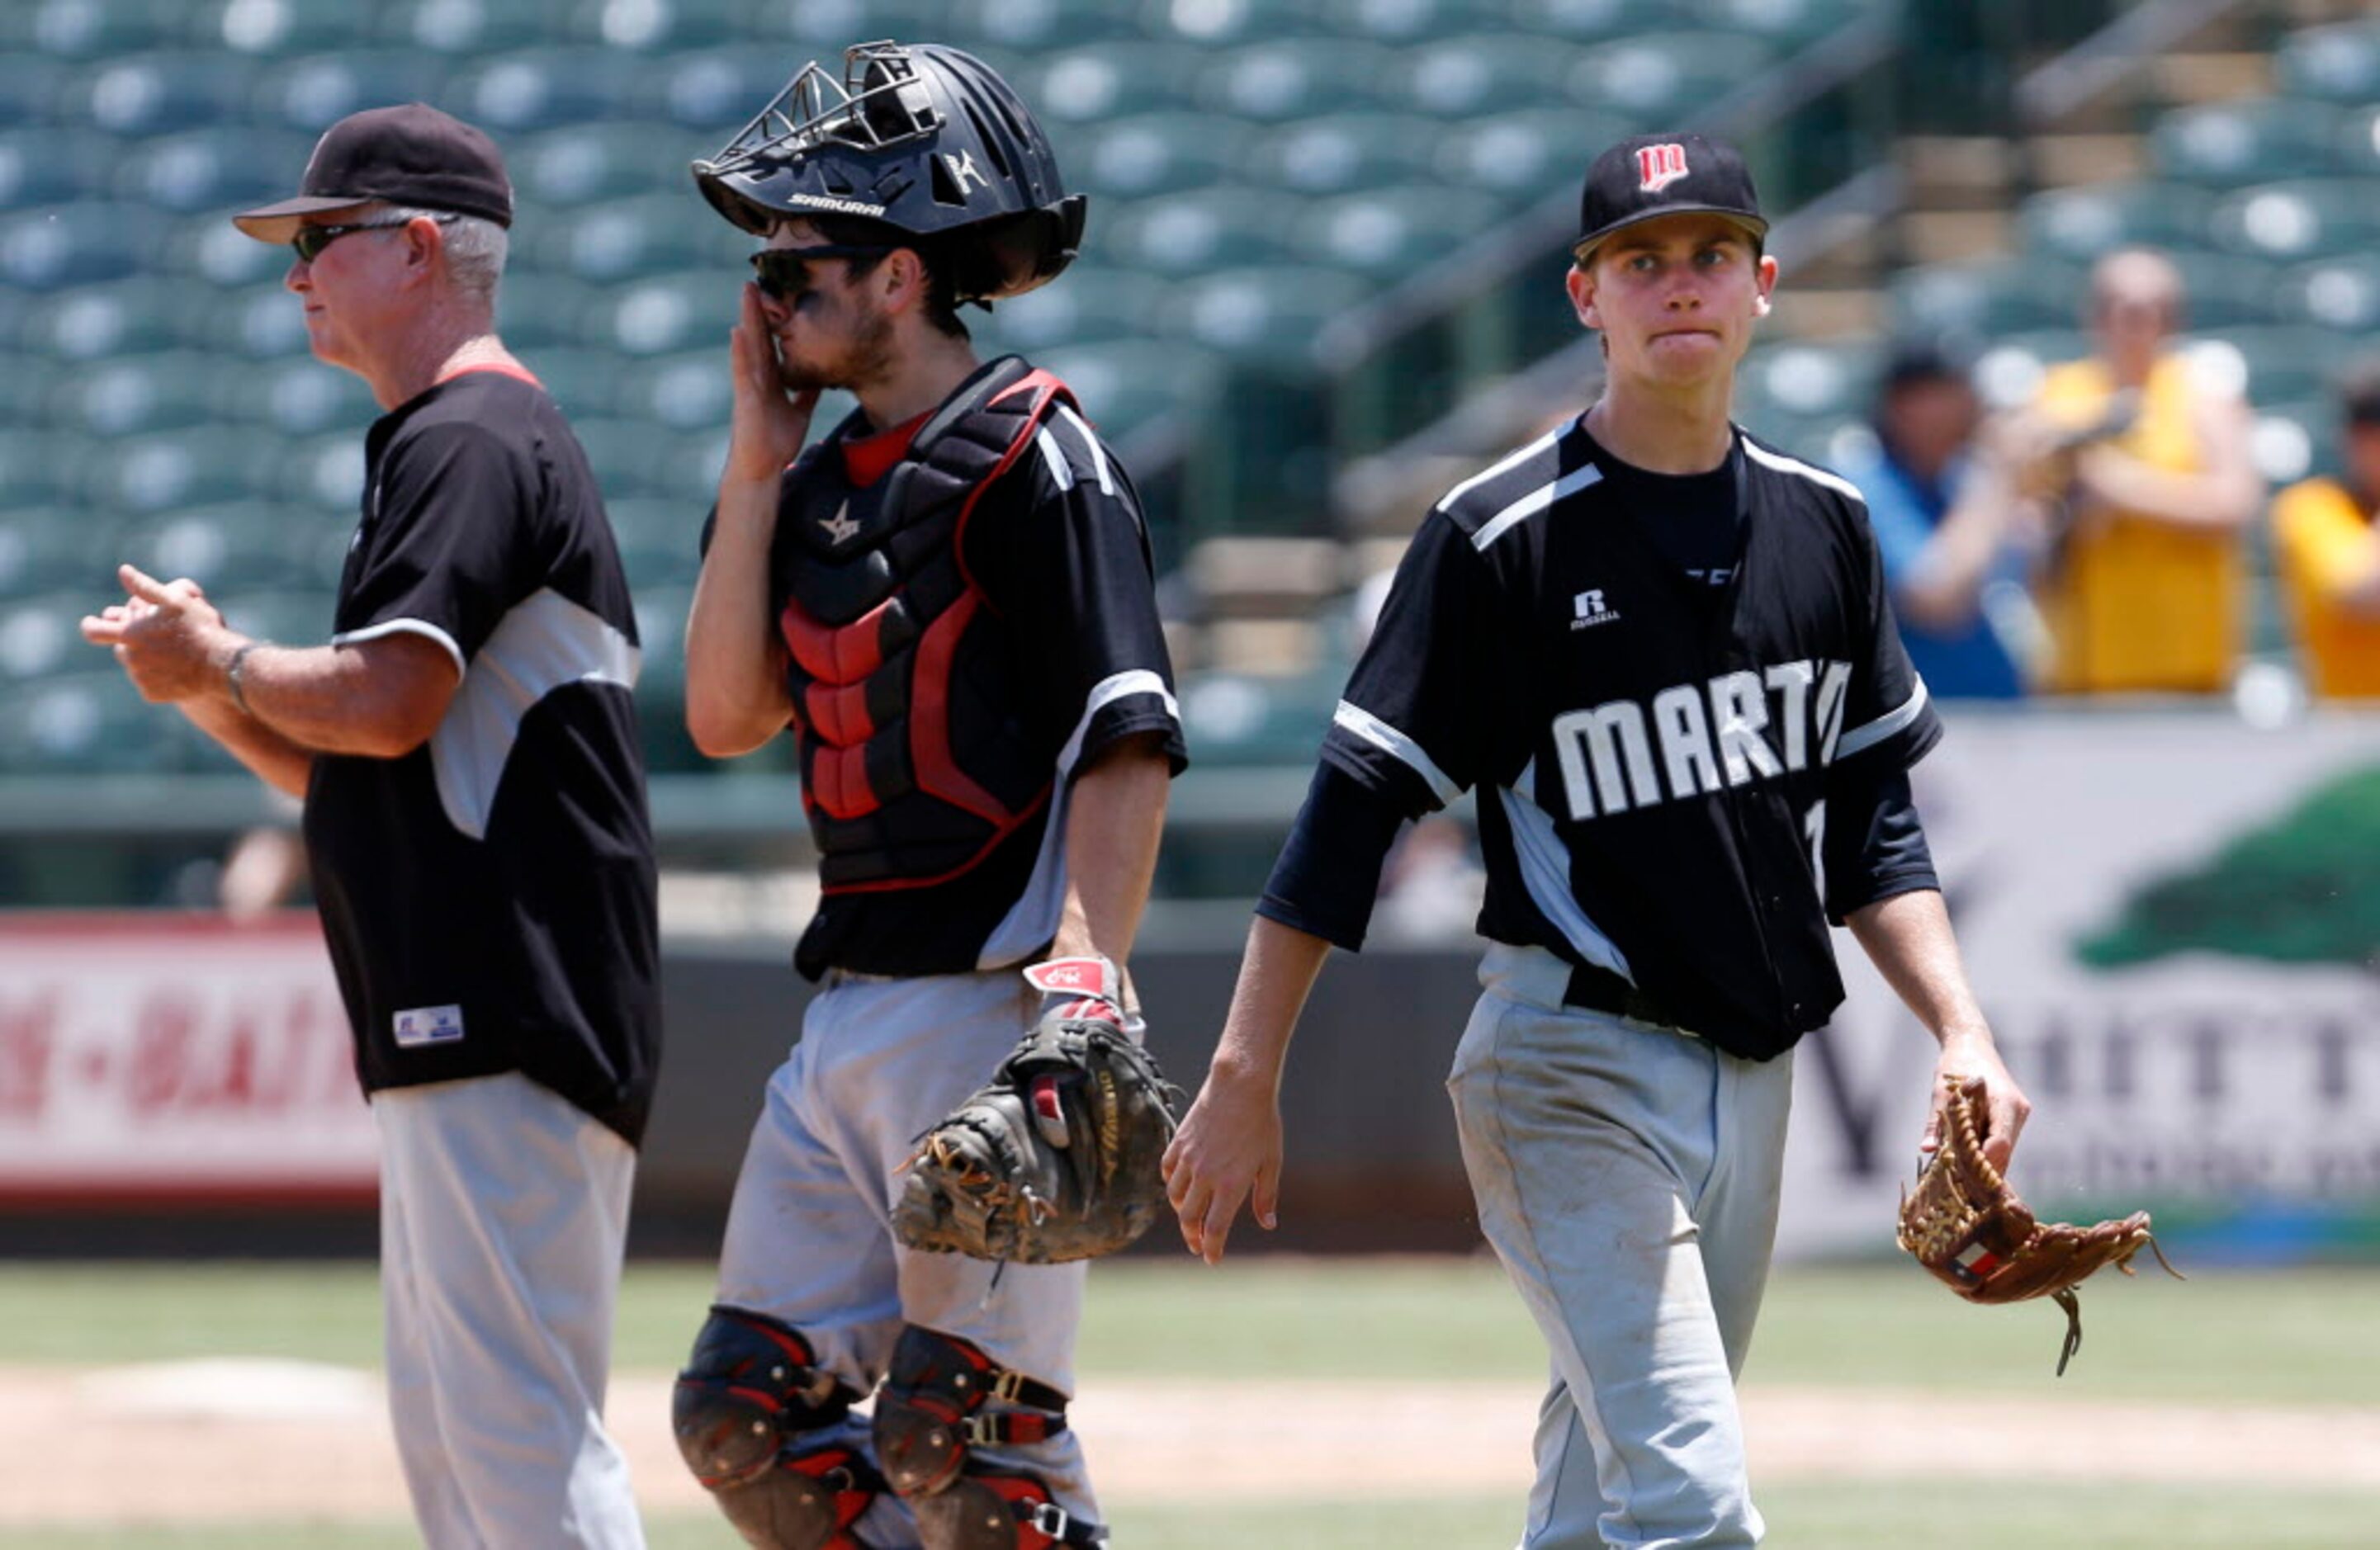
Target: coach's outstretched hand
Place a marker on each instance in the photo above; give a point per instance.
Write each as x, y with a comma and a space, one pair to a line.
1227, 1151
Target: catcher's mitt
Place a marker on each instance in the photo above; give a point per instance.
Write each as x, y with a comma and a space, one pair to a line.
1057, 1157
1966, 1226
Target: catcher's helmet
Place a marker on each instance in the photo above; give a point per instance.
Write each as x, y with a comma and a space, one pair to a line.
923, 138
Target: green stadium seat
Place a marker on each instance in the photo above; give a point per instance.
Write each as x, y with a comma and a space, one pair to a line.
173, 470
2009, 373
114, 398
828, 27
227, 548
2222, 290
263, 321
58, 245
298, 616
1241, 718
29, 86
686, 391
528, 90
661, 635
1783, 24
301, 398
2313, 218
1391, 233
51, 167
56, 549
1094, 303
88, 721
2295, 439
663, 315
1482, 74
652, 26
39, 635
659, 541
2358, 143
1108, 81
91, 29
1400, 23
631, 239
1126, 385
1808, 381
713, 91
314, 91
206, 247
587, 383
1152, 153
159, 93
1343, 152
39, 467
1522, 157
550, 312
1201, 231
463, 28
1658, 78
687, 469
321, 474
1970, 302
2279, 362
1270, 316
1297, 78
124, 317
1591, 21
215, 170
2337, 63
2227, 144
629, 456
2340, 292
278, 29
1227, 23
2079, 225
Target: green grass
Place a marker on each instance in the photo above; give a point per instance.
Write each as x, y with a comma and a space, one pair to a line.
1966, 1515
2293, 1338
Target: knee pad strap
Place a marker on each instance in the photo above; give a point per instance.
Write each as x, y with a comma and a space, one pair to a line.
752, 1384
929, 1409
810, 1501
988, 1511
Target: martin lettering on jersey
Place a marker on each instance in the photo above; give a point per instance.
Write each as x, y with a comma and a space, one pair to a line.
1697, 738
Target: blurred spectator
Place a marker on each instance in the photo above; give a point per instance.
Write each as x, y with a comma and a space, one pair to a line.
2329, 553
267, 864
1952, 528
2144, 584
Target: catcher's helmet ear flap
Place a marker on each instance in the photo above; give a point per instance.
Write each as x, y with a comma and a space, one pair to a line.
925, 139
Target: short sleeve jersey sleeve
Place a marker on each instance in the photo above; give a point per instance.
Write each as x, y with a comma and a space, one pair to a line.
444, 550
1888, 722
1064, 556
1414, 725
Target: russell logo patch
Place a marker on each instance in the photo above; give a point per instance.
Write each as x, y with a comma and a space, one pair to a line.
426, 1025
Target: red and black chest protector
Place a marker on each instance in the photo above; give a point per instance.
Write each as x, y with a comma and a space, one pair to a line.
919, 751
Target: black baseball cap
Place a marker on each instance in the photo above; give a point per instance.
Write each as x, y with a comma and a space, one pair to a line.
1646, 177
412, 155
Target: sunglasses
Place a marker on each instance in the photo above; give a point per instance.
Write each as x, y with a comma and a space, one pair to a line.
310, 240
783, 273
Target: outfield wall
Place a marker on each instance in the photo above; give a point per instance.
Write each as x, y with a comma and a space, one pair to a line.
2173, 922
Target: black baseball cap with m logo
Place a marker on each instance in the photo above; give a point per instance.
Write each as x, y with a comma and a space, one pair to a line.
1646, 177
411, 154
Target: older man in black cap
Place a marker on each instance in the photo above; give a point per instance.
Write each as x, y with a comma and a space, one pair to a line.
474, 810
1661, 653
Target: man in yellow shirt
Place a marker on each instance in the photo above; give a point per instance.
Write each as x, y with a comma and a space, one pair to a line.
2329, 554
2145, 589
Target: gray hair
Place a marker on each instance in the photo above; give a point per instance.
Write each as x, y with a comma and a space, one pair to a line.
475, 248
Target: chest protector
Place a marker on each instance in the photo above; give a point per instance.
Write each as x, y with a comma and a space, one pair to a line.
916, 756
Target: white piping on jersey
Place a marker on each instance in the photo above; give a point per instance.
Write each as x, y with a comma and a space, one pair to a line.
1779, 461
1884, 726
1388, 739
1545, 871
545, 643
1099, 454
405, 627
1059, 469
1503, 464
1535, 502
1032, 919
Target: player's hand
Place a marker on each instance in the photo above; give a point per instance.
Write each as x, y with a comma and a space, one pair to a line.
770, 422
2006, 1106
1227, 1152
169, 639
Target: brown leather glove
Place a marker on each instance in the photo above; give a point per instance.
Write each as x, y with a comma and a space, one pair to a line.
1965, 1225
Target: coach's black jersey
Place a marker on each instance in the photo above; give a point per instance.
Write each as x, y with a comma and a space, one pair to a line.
1652, 770
489, 897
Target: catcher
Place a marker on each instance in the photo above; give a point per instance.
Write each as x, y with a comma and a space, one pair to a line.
949, 600
1967, 1228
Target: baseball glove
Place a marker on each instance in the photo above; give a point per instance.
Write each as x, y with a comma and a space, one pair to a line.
1964, 1224
1057, 1157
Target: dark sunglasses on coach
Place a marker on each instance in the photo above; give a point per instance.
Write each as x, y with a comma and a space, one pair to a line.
310, 240
784, 273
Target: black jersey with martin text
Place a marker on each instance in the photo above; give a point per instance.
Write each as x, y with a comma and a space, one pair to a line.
1652, 770
489, 897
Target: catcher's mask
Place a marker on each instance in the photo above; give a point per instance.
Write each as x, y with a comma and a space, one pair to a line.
926, 140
